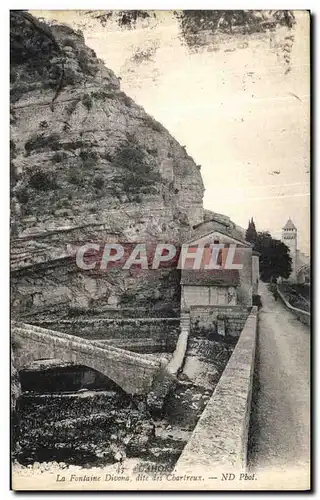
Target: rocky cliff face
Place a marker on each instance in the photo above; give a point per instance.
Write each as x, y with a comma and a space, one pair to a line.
87, 163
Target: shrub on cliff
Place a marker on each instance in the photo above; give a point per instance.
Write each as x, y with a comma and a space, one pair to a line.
43, 181
137, 174
76, 177
42, 142
274, 257
59, 157
22, 194
87, 101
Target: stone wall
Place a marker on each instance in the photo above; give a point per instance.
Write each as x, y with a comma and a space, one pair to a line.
123, 332
219, 440
192, 295
244, 291
204, 318
255, 274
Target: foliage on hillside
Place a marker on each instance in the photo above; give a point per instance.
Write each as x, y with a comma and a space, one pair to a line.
274, 257
251, 232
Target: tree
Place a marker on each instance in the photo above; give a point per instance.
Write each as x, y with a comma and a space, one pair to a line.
200, 28
274, 257
251, 232
193, 22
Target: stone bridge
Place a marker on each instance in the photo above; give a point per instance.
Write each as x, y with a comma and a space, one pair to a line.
131, 371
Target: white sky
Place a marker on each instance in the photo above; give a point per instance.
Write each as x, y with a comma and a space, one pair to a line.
233, 108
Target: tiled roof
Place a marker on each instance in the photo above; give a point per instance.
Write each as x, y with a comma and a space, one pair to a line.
212, 226
289, 225
212, 277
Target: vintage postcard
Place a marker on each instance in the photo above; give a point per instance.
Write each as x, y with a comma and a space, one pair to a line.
160, 250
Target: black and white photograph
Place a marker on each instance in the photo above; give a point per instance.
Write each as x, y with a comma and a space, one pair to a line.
160, 256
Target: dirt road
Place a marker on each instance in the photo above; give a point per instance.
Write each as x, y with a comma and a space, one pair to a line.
281, 419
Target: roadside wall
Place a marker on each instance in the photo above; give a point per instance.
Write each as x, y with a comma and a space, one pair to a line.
303, 316
219, 440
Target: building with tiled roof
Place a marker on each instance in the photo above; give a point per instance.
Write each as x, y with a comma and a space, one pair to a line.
210, 277
226, 286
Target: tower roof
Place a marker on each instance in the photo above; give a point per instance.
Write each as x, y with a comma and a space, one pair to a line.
289, 225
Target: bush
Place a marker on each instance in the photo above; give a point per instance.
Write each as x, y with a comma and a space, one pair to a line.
75, 312
75, 177
22, 195
101, 94
59, 156
256, 301
98, 182
87, 66
89, 157
126, 99
69, 42
72, 145
128, 299
140, 176
137, 198
153, 124
13, 149
14, 176
87, 101
88, 154
42, 142
43, 181
13, 117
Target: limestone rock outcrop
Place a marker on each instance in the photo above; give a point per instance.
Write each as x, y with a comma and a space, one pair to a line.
87, 164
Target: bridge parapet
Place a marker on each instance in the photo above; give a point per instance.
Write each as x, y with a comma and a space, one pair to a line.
36, 331
219, 440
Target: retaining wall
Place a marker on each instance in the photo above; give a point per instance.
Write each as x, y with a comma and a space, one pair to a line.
141, 345
205, 318
162, 330
219, 440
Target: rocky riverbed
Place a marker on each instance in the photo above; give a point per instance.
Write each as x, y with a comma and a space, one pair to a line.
91, 424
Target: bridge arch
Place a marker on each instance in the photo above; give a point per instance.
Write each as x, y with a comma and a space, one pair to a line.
54, 375
41, 353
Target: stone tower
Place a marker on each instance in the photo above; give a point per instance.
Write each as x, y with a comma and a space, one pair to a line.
289, 238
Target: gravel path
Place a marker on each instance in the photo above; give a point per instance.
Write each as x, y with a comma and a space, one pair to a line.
281, 420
